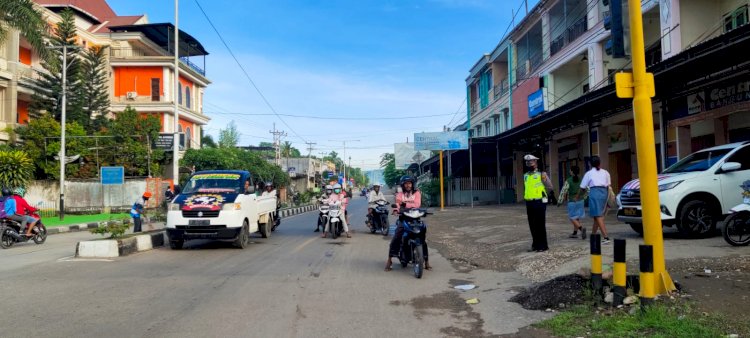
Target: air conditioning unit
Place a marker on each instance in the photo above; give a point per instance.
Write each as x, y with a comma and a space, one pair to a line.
131, 95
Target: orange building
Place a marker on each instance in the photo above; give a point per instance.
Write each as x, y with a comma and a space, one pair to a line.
141, 57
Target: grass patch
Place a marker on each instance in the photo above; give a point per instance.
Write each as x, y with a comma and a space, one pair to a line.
51, 222
668, 318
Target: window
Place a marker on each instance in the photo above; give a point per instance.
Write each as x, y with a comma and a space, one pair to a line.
182, 136
735, 19
479, 131
699, 161
487, 128
742, 157
497, 125
187, 96
155, 86
506, 117
179, 94
188, 136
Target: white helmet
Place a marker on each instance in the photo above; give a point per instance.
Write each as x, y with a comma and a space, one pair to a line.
530, 157
337, 187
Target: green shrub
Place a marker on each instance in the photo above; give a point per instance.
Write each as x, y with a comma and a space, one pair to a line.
113, 228
16, 168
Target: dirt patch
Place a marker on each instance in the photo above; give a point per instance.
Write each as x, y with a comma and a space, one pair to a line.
529, 332
716, 284
469, 323
556, 293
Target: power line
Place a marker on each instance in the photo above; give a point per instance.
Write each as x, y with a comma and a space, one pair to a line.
337, 117
245, 72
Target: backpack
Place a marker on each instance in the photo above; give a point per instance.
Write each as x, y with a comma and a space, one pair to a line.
2, 207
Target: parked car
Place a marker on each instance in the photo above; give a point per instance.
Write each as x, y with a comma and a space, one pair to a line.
694, 193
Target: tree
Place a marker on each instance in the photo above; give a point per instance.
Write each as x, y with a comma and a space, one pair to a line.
229, 137
49, 98
16, 169
128, 145
93, 91
207, 141
237, 159
268, 154
287, 150
42, 144
21, 15
391, 175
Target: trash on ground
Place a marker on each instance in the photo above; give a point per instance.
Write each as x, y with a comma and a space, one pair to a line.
472, 301
465, 287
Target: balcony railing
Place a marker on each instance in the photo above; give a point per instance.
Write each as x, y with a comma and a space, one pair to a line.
501, 89
134, 53
573, 32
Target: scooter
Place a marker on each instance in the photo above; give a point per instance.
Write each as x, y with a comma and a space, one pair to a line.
323, 208
379, 218
412, 245
335, 227
11, 233
736, 229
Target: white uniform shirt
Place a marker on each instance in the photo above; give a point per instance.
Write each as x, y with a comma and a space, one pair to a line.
596, 178
265, 193
373, 196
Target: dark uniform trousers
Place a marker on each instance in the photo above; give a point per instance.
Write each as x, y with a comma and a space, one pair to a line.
536, 210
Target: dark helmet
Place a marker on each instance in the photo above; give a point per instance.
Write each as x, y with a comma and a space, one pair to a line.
407, 178
6, 192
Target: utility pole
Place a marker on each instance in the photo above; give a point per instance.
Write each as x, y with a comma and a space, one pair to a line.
344, 158
277, 135
176, 140
310, 148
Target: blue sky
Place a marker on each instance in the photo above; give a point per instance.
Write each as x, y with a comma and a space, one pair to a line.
338, 58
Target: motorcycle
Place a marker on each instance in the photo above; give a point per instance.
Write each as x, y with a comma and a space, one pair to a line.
379, 218
411, 243
323, 208
335, 227
12, 233
736, 229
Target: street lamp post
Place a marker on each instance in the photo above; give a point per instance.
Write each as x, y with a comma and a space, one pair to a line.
176, 140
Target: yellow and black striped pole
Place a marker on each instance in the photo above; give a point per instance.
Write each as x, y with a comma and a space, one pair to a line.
619, 269
596, 264
648, 287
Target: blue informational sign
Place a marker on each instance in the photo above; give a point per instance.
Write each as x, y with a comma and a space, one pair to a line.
112, 175
449, 140
538, 102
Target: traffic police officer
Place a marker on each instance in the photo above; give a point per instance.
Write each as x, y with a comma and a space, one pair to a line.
536, 184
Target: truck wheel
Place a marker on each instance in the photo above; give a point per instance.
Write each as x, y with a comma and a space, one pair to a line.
697, 219
637, 227
176, 245
265, 228
243, 238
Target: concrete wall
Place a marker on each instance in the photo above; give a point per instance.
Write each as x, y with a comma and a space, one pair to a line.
85, 195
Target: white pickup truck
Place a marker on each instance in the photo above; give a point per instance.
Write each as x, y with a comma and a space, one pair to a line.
216, 205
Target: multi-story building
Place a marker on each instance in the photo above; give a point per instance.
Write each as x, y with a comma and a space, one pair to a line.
547, 88
141, 63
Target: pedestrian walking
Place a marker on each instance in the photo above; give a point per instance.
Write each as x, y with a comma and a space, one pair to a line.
536, 186
569, 193
598, 182
137, 210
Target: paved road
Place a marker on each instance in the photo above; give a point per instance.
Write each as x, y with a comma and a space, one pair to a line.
293, 284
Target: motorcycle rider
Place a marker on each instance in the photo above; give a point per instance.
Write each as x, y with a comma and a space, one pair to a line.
410, 198
23, 209
374, 196
324, 197
338, 196
270, 191
11, 207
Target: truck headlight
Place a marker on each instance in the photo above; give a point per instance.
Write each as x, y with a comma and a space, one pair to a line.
667, 186
174, 207
231, 206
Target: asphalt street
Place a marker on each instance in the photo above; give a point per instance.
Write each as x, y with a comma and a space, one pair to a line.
294, 284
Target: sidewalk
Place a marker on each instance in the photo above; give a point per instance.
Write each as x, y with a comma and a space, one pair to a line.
497, 238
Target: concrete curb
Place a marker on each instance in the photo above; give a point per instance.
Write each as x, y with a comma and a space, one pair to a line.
110, 248
296, 210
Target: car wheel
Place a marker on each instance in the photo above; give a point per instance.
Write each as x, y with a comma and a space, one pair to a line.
637, 227
176, 245
243, 238
697, 219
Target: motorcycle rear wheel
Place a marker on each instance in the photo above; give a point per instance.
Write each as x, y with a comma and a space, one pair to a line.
7, 240
418, 261
40, 236
736, 230
384, 225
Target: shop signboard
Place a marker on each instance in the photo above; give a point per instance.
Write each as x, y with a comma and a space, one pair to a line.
450, 140
538, 102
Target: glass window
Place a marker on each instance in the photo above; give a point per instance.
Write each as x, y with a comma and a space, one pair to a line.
699, 161
179, 93
742, 157
187, 96
188, 137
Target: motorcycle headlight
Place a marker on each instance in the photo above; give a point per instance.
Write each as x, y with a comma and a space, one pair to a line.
231, 206
174, 207
416, 230
667, 186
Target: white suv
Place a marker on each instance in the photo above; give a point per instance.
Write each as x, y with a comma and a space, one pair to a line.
695, 192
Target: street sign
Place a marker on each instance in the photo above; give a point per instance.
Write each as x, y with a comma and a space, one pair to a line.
292, 171
112, 175
450, 140
165, 141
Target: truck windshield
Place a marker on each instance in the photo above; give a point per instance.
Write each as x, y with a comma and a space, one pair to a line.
215, 183
699, 161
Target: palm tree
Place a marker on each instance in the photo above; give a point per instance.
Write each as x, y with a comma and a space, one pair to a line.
21, 15
286, 148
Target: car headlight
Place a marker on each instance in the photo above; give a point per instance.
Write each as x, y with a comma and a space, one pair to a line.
174, 207
667, 186
231, 206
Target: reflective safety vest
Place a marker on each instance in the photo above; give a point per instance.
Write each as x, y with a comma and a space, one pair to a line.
533, 186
